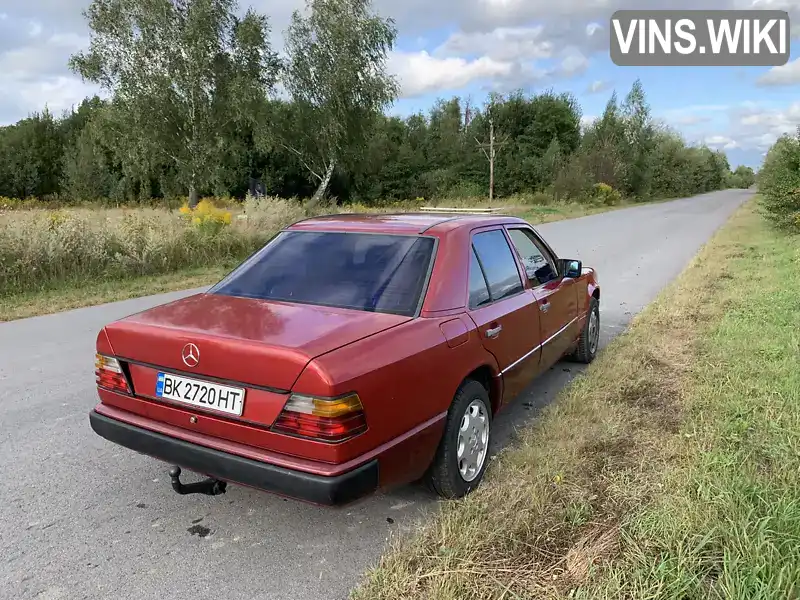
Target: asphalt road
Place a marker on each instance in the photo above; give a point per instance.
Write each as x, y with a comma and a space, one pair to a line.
82, 518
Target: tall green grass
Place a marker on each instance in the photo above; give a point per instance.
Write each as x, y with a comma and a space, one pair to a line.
727, 524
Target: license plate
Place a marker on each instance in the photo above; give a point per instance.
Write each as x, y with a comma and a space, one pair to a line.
202, 394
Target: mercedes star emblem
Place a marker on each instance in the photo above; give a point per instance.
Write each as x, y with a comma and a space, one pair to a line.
190, 355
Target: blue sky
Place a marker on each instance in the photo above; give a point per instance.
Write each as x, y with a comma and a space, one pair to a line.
467, 48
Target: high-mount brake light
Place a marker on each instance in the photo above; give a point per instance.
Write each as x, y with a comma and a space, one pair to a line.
324, 419
109, 375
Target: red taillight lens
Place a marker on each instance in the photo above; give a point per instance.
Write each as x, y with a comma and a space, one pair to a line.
323, 419
108, 374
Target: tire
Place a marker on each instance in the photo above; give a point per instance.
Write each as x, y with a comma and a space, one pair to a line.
445, 475
590, 336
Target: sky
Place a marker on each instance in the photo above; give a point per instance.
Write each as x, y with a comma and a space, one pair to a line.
470, 48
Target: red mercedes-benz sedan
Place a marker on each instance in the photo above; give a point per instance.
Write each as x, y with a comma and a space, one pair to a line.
350, 353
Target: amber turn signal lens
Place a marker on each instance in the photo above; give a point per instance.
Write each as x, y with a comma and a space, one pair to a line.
324, 419
109, 375
324, 407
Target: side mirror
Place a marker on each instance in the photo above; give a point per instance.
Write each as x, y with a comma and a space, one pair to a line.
572, 268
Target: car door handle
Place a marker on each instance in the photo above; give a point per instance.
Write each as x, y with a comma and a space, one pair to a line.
544, 306
493, 333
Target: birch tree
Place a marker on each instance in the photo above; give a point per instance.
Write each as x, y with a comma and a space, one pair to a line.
181, 74
336, 75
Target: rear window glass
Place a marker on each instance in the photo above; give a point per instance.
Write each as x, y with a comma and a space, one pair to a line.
371, 272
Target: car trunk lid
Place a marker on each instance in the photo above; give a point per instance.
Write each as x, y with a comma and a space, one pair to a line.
246, 341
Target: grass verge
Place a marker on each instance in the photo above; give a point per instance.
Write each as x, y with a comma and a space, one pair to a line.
668, 470
21, 306
66, 287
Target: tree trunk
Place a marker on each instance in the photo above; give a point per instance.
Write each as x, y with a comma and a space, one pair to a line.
193, 199
323, 187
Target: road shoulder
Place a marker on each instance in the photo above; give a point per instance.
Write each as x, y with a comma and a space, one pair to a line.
666, 469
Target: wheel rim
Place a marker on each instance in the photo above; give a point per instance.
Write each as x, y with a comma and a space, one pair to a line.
473, 440
594, 331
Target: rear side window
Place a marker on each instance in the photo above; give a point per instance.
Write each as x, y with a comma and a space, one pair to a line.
370, 272
478, 291
498, 264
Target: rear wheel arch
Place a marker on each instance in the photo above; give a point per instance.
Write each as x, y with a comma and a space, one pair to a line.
487, 378
462, 455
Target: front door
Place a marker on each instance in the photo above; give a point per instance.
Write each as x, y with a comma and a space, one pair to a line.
556, 296
504, 310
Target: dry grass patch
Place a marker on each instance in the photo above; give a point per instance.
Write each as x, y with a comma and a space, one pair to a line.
560, 514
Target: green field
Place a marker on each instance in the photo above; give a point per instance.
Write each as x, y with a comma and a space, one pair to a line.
670, 470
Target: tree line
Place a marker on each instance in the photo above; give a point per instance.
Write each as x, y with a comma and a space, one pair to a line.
779, 183
199, 103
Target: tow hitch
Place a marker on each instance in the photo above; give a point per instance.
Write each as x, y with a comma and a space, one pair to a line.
209, 487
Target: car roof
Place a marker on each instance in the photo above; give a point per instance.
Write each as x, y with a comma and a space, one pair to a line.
410, 223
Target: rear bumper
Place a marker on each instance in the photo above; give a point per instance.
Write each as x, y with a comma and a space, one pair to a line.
318, 489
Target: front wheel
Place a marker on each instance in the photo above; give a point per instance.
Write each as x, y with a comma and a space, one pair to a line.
461, 458
590, 336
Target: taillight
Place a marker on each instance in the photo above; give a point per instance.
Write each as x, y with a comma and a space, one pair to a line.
108, 374
324, 419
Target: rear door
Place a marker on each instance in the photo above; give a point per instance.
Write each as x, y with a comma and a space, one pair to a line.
503, 309
556, 296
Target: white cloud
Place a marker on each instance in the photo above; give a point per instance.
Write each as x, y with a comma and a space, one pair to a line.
597, 86
420, 73
35, 75
722, 142
759, 127
787, 74
502, 59
20, 98
41, 58
751, 127
692, 115
35, 29
691, 120
503, 43
573, 64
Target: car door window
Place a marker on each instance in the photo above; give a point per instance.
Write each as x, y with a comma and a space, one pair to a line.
478, 288
498, 264
534, 258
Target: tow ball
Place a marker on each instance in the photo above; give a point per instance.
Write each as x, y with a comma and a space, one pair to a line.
209, 487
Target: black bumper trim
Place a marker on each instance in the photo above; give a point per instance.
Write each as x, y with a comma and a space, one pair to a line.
318, 489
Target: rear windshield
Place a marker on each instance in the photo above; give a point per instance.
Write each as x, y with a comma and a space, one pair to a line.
371, 272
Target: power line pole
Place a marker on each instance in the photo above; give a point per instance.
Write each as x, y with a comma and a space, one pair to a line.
491, 154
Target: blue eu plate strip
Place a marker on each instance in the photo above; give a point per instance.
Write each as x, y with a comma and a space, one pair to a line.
160, 385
